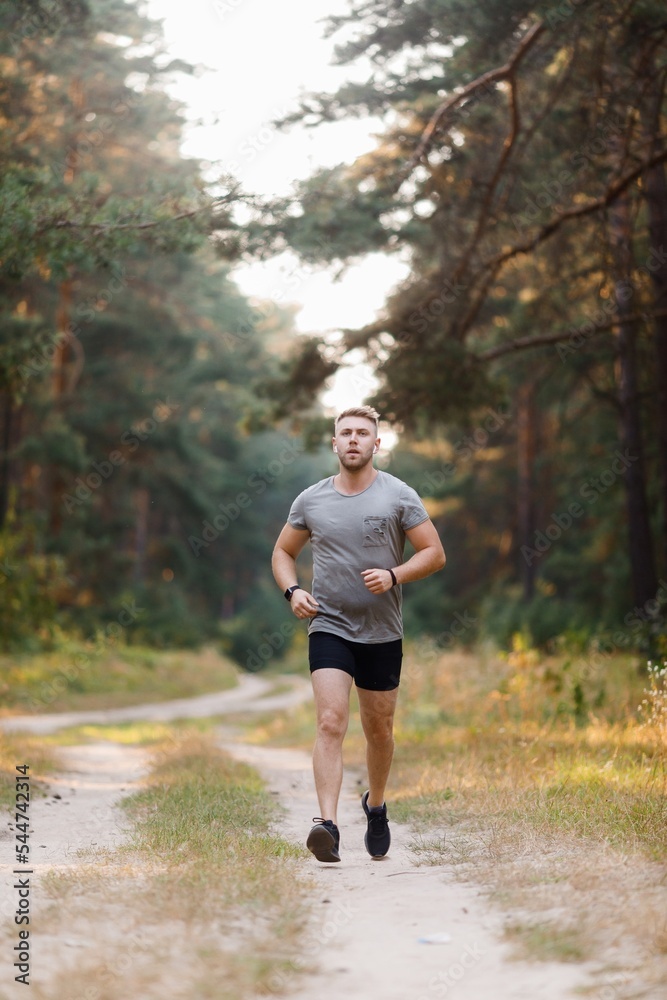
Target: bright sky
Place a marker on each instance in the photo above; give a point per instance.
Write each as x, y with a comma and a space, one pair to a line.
261, 56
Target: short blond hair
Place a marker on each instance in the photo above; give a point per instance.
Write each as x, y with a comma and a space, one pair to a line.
359, 411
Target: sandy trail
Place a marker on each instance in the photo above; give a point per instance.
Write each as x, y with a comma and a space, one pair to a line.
81, 813
367, 916
250, 695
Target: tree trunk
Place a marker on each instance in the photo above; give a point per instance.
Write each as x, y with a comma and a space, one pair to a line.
526, 419
642, 562
656, 198
142, 503
60, 357
5, 445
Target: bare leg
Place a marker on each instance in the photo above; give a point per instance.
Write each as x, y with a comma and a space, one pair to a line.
331, 688
377, 718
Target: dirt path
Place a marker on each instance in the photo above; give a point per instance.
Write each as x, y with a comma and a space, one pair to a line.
250, 695
368, 916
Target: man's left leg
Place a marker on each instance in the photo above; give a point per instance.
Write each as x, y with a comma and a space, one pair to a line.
377, 716
377, 709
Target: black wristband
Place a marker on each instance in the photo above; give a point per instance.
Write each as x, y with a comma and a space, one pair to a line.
394, 581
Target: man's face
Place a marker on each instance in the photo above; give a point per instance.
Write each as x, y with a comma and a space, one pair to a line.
355, 441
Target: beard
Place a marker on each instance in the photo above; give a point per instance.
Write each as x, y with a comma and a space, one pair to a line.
353, 463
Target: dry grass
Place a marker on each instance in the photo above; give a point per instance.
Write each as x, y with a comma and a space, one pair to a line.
520, 741
491, 743
139, 733
81, 676
202, 902
538, 776
18, 749
545, 941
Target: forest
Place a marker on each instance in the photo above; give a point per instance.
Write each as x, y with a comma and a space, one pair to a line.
156, 423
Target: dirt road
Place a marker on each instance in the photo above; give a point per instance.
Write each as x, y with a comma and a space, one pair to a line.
367, 940
380, 928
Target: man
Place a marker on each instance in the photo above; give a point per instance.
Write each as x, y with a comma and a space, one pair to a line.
357, 522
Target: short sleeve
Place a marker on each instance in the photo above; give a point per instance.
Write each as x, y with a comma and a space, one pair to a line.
412, 509
297, 515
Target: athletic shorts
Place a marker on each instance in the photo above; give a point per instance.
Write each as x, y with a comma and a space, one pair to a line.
375, 666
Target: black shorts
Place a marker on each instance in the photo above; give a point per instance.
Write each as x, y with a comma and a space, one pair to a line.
375, 666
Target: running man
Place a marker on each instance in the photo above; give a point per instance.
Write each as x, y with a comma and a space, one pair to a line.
357, 522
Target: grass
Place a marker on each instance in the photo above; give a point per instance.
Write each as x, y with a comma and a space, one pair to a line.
483, 738
16, 749
515, 750
82, 676
535, 774
206, 890
141, 734
538, 776
207, 817
545, 942
601, 783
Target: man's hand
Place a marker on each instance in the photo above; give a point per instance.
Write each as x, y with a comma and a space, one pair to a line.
378, 581
303, 604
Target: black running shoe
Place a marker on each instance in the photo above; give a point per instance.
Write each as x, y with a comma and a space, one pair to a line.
377, 837
324, 840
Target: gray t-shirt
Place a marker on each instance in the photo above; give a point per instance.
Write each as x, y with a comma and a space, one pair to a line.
349, 534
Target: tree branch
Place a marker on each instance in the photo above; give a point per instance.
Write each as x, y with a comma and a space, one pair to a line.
109, 227
610, 195
523, 343
504, 72
483, 215
490, 269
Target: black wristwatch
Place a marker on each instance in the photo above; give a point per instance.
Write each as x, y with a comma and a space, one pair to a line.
290, 591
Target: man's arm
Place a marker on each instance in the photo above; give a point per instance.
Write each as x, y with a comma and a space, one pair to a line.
428, 558
283, 563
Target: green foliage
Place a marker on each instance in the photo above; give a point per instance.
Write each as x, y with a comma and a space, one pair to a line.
69, 196
144, 402
506, 208
128, 358
542, 620
31, 584
101, 670
262, 634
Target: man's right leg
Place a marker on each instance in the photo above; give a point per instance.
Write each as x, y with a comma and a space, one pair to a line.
331, 688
